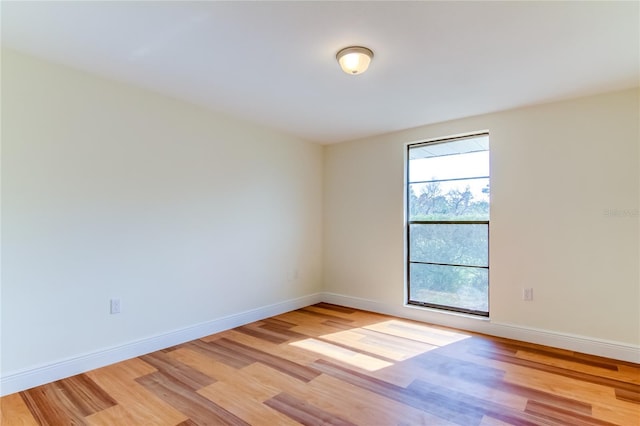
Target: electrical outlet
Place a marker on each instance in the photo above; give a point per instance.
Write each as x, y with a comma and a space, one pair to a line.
115, 306
527, 294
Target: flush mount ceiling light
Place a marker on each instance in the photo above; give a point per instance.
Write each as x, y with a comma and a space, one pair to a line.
354, 59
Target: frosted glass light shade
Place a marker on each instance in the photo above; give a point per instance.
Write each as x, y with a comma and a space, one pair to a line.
355, 59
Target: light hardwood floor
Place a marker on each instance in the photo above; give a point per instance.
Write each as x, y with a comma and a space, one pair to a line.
329, 365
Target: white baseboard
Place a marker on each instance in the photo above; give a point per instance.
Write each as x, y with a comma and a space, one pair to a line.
25, 379
583, 344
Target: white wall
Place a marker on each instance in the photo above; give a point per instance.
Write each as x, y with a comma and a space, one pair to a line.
110, 191
564, 220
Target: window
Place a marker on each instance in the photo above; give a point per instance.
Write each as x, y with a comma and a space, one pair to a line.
448, 224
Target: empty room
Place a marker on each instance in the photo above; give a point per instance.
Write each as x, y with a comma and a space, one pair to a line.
320, 213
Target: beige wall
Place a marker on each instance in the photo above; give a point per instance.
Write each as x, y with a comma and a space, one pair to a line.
110, 191
564, 217
189, 216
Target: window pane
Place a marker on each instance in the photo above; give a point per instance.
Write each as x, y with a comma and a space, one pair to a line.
448, 197
455, 244
473, 164
466, 199
464, 288
460, 145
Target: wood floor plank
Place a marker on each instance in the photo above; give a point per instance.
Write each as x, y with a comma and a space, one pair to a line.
628, 372
244, 385
50, 406
85, 394
271, 332
238, 391
339, 398
449, 368
116, 415
280, 323
626, 395
14, 411
286, 351
320, 328
333, 316
357, 359
251, 410
338, 325
327, 364
409, 348
196, 407
355, 404
217, 370
561, 416
379, 345
602, 369
431, 335
264, 334
361, 406
73, 398
455, 368
188, 422
190, 377
490, 421
397, 374
494, 394
137, 402
266, 375
356, 317
128, 369
293, 369
282, 331
457, 401
303, 412
336, 308
566, 372
222, 354
309, 322
624, 416
456, 411
572, 389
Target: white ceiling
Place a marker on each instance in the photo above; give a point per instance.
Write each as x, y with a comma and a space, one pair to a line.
273, 63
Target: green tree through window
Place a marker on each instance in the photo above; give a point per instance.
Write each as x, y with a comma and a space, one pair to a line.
448, 224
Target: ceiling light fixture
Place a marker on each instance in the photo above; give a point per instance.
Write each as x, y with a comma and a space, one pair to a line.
354, 59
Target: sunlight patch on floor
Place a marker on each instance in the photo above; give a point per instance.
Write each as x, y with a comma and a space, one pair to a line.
392, 341
379, 344
431, 335
342, 354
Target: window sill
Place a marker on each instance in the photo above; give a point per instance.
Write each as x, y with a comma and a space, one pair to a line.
445, 312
